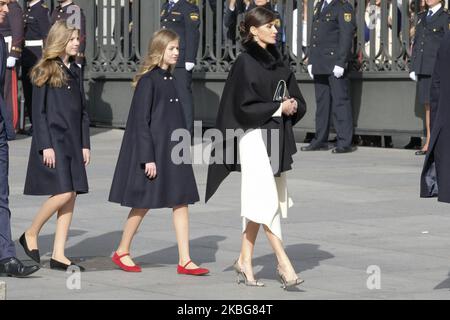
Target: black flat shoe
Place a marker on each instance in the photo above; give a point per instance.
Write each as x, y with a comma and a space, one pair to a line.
420, 153
33, 254
343, 150
13, 267
56, 265
314, 148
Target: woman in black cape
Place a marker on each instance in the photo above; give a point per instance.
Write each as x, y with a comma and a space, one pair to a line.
250, 102
148, 175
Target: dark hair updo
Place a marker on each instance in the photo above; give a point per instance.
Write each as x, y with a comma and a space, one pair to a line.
256, 17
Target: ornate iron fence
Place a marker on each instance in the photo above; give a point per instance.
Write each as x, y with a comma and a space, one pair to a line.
118, 32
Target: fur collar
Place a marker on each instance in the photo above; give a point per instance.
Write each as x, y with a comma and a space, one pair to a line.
269, 59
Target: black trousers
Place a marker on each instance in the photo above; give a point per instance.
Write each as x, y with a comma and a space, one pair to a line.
7, 248
183, 84
333, 102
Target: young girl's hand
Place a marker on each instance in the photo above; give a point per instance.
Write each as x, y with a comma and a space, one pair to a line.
86, 156
49, 158
150, 170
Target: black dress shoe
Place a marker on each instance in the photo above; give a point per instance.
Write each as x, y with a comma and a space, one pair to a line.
56, 265
33, 254
420, 153
314, 148
12, 267
342, 150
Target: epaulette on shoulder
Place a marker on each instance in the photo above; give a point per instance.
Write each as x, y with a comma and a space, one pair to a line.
43, 5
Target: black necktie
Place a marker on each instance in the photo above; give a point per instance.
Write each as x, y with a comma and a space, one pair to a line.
430, 14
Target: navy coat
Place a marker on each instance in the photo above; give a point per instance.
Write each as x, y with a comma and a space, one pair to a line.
247, 103
427, 40
435, 179
155, 113
61, 122
332, 35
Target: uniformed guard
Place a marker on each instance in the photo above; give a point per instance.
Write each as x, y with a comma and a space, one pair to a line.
66, 11
12, 30
184, 18
236, 7
36, 20
330, 51
432, 25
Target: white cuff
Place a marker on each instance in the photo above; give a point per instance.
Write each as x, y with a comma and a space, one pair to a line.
279, 112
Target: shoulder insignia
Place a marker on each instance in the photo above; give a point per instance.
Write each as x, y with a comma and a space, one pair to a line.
44, 5
194, 16
347, 17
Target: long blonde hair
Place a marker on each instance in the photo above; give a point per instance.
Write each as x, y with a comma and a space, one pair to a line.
47, 70
155, 53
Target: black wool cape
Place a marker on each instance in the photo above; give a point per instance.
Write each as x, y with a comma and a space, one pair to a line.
247, 103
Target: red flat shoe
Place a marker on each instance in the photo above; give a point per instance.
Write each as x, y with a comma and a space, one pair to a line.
193, 272
116, 259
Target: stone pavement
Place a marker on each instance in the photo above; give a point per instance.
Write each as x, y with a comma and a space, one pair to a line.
354, 213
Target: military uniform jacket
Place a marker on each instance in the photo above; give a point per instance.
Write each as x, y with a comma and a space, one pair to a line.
61, 122
155, 113
12, 26
37, 26
65, 13
184, 19
332, 35
427, 40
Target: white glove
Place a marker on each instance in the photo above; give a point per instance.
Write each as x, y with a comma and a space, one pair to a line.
189, 66
338, 71
310, 71
11, 62
412, 75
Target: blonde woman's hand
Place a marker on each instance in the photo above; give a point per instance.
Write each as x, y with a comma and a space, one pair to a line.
86, 156
150, 170
49, 158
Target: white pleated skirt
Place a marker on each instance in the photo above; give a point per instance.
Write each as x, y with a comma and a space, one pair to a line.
264, 198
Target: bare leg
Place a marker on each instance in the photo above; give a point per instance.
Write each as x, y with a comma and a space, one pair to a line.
284, 263
48, 209
131, 226
181, 224
247, 247
427, 124
65, 215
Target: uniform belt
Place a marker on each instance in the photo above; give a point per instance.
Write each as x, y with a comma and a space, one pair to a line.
34, 43
8, 41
